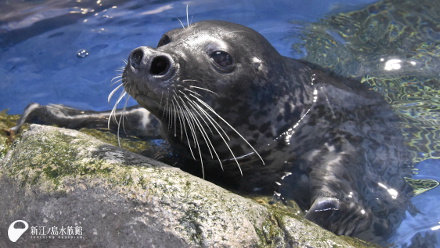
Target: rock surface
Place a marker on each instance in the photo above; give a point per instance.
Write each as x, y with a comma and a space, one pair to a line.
76, 191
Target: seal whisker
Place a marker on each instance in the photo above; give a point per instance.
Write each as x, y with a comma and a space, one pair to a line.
221, 136
202, 130
191, 123
121, 119
113, 112
209, 117
193, 113
165, 107
230, 126
116, 79
122, 69
198, 110
190, 80
187, 16
186, 120
196, 107
183, 125
170, 117
197, 87
113, 92
179, 117
193, 106
121, 96
200, 88
193, 92
181, 23
214, 123
175, 118
161, 98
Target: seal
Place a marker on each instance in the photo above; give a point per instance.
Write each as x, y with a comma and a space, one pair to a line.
256, 121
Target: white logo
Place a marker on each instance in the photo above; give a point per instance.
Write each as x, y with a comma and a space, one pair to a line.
15, 233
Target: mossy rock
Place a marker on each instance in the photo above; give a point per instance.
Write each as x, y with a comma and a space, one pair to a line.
56, 177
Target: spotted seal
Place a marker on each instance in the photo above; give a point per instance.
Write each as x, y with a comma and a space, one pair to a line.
257, 121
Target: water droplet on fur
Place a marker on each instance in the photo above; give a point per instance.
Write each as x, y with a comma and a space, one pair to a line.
82, 53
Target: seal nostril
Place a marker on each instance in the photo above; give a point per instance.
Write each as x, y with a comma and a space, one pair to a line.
160, 65
136, 58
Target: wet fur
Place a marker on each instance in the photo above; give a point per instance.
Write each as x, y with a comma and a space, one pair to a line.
272, 124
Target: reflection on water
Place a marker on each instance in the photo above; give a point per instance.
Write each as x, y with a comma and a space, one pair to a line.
394, 46
20, 20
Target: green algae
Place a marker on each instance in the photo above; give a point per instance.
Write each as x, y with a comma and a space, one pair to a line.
6, 137
58, 163
360, 43
422, 185
52, 158
129, 143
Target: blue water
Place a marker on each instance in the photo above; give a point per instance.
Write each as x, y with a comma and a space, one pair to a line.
39, 60
40, 41
428, 221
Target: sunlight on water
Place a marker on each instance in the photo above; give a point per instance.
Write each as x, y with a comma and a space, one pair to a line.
393, 45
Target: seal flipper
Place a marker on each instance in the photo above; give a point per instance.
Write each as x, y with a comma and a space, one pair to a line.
137, 121
30, 115
335, 196
342, 218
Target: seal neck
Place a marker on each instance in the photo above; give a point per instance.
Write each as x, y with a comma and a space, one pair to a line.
287, 135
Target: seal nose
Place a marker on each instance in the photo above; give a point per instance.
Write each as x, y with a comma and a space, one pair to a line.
160, 65
148, 60
136, 58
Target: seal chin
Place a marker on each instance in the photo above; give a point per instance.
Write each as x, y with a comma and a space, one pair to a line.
148, 64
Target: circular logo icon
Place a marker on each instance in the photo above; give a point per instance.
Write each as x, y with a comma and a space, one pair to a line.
15, 233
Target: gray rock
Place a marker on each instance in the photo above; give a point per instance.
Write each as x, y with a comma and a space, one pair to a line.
61, 181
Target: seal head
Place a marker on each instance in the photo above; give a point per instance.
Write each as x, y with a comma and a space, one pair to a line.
209, 87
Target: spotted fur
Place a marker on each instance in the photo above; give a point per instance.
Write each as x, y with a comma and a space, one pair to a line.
240, 114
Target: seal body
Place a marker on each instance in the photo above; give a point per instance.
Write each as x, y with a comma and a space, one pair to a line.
240, 114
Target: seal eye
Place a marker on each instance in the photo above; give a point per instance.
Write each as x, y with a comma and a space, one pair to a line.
223, 60
164, 40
